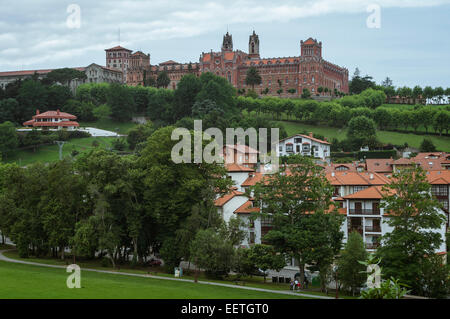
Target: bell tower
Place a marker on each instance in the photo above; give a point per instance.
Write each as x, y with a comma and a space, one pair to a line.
227, 44
253, 46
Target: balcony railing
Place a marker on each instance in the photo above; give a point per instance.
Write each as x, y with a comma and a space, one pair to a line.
372, 245
364, 211
373, 229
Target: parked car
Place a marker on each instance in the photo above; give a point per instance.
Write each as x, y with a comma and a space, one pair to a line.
154, 262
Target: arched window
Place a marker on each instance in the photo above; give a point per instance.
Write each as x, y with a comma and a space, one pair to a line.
253, 47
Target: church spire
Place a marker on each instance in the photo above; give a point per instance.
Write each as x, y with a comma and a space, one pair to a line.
227, 44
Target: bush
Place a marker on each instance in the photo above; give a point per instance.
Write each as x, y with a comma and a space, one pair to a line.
427, 146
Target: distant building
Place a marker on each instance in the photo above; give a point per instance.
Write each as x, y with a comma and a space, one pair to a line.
286, 77
305, 145
94, 74
53, 119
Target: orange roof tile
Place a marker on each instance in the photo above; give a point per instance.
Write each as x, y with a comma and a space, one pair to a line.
438, 177
373, 192
229, 55
118, 48
237, 168
356, 178
247, 208
252, 180
227, 197
379, 165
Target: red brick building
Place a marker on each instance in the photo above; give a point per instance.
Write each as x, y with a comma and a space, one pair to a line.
284, 76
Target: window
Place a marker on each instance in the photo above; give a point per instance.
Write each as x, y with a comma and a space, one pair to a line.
289, 148
297, 148
281, 148
252, 237
358, 188
439, 190
298, 140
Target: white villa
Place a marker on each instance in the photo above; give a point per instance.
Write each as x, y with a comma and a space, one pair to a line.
305, 145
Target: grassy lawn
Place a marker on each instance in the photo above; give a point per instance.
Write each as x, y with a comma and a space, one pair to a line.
442, 143
50, 153
254, 281
26, 281
110, 125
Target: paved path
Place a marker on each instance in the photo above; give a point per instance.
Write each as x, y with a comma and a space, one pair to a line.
4, 258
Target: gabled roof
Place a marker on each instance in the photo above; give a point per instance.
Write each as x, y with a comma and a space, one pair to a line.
373, 192
247, 208
118, 48
306, 136
227, 197
310, 41
170, 62
55, 114
382, 165
356, 178
438, 177
252, 180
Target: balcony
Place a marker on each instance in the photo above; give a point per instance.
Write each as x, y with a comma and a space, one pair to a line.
361, 211
372, 245
373, 229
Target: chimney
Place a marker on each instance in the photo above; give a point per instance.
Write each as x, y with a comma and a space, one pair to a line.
310, 134
57, 111
37, 112
325, 139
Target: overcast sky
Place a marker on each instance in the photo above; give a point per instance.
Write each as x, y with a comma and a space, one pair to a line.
412, 45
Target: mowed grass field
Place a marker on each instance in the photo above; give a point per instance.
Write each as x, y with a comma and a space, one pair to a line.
442, 143
50, 153
35, 282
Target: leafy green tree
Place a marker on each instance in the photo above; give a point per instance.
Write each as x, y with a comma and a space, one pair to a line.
185, 94
139, 134
295, 200
120, 101
57, 96
265, 257
253, 77
8, 108
416, 93
349, 268
8, 138
163, 80
32, 96
305, 94
434, 279
119, 144
414, 217
212, 253
427, 145
65, 76
362, 131
441, 121
102, 112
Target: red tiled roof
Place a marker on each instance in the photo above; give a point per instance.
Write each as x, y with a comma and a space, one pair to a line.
225, 198
55, 114
379, 165
170, 62
307, 136
207, 57
237, 168
247, 208
373, 192
252, 180
356, 178
31, 72
310, 41
229, 55
118, 48
438, 177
